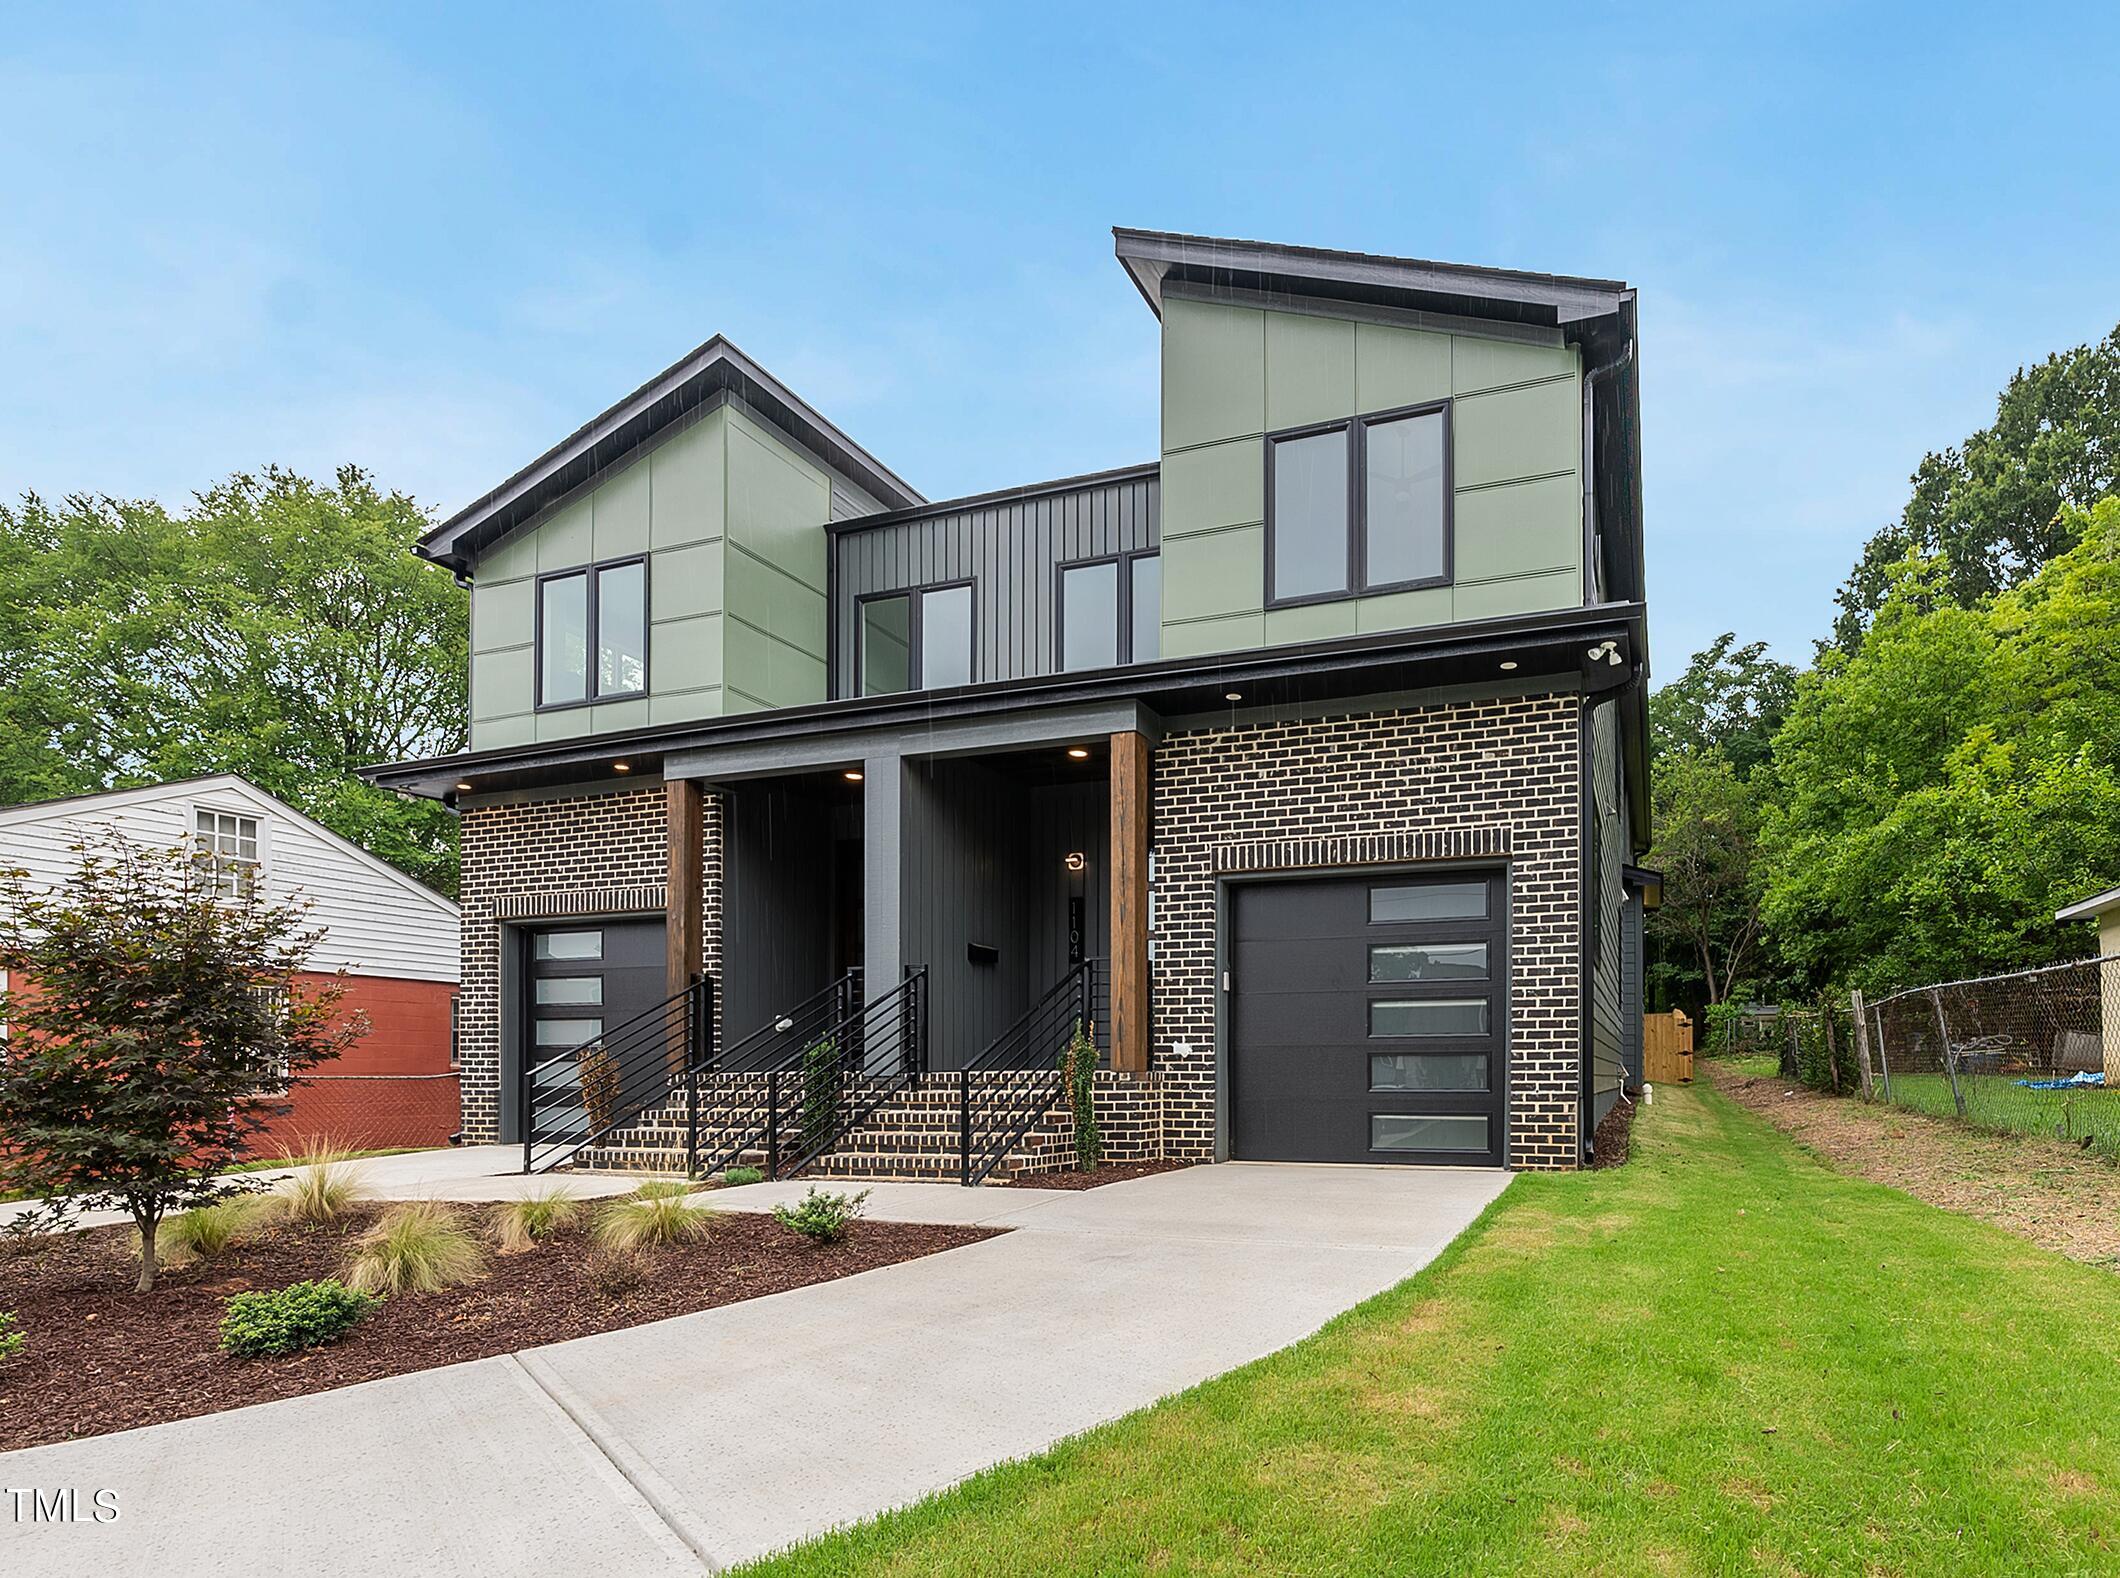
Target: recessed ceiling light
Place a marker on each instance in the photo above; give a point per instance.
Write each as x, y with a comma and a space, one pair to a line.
463, 786
621, 767
1508, 664
1232, 695
851, 776
1078, 753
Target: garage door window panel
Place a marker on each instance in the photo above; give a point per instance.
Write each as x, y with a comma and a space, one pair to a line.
1454, 1071
1450, 1131
1433, 1016
1393, 962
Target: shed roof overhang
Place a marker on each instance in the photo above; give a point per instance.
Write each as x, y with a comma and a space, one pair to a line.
1531, 654
715, 368
2097, 905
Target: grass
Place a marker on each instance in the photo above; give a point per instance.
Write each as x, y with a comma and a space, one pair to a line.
266, 1164
1753, 1065
207, 1230
519, 1224
419, 1247
1720, 1358
642, 1221
325, 1189
1997, 1101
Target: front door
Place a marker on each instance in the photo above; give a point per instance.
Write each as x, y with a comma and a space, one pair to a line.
1366, 1019
581, 980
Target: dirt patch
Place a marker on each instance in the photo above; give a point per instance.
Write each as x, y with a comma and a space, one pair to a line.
98, 1357
1608, 1147
1095, 1178
2057, 1195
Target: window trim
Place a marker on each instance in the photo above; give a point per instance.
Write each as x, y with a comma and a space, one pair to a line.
1357, 427
915, 633
195, 808
592, 694
1125, 560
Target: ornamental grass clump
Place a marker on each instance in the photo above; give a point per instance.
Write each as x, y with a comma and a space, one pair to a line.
325, 1189
287, 1320
651, 1221
519, 1224
207, 1230
421, 1246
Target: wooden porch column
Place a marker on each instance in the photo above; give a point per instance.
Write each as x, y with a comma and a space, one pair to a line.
1129, 882
684, 933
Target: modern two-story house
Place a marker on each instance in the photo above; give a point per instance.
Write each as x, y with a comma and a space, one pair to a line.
1304, 763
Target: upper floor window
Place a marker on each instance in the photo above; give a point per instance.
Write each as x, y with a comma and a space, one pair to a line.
1111, 611
1359, 506
919, 640
592, 633
225, 852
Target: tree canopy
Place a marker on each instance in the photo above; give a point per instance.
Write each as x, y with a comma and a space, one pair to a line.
278, 627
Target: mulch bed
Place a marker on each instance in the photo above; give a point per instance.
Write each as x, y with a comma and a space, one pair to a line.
1614, 1134
99, 1357
1095, 1178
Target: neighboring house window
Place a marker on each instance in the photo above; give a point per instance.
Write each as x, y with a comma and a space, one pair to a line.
1111, 611
275, 1001
1359, 506
918, 640
225, 852
592, 633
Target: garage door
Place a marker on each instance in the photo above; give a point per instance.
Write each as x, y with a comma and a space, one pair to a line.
1366, 1019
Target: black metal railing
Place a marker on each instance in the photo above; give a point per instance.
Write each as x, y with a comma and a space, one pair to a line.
1016, 1079
586, 1093
792, 1030
842, 1075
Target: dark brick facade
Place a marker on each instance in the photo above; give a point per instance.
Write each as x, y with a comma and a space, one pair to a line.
594, 854
1476, 780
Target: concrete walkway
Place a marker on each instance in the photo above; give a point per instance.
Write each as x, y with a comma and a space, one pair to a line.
711, 1438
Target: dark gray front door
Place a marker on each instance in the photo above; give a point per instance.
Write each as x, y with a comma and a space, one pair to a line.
1366, 1019
581, 980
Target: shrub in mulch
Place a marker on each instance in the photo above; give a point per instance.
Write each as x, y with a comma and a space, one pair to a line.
1095, 1177
1608, 1146
99, 1357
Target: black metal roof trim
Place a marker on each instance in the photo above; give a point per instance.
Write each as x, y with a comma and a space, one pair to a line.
714, 368
973, 501
1139, 679
1149, 256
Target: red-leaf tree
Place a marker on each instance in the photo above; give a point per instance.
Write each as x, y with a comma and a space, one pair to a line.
154, 1022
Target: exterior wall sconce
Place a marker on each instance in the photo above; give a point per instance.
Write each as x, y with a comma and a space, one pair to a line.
1077, 861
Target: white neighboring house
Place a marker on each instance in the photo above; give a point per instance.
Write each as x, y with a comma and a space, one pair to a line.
396, 938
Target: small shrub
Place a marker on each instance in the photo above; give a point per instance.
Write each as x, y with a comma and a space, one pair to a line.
649, 1221
1078, 1067
736, 1177
306, 1315
326, 1188
420, 1247
518, 1224
822, 1218
10, 1339
612, 1273
820, 1091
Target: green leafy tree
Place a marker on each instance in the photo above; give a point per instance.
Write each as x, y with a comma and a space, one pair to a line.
150, 1022
2007, 500
1706, 932
277, 628
1731, 699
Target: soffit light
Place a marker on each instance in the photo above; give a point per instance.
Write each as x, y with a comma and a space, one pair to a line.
1078, 753
1232, 695
621, 767
851, 776
1508, 664
465, 787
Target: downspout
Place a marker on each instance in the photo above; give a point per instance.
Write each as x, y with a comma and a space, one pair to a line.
1586, 932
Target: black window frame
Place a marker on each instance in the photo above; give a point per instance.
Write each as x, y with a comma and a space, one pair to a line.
915, 633
1125, 635
1357, 428
593, 694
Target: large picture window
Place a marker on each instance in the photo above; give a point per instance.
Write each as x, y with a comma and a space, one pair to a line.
1111, 611
917, 640
592, 634
1359, 506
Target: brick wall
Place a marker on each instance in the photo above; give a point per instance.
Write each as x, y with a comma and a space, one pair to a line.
1495, 779
592, 854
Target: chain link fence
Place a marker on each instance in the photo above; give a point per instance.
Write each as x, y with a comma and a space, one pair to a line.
2034, 1052
362, 1112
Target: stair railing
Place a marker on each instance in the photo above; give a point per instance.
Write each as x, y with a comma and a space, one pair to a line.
1016, 1079
584, 1094
845, 1073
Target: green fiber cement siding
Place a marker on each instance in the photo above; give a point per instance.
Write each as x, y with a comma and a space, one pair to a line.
1231, 374
731, 517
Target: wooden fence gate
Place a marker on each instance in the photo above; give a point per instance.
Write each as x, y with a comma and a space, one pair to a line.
1667, 1048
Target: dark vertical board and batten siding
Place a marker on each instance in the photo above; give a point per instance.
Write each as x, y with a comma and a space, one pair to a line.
1010, 549
1608, 1038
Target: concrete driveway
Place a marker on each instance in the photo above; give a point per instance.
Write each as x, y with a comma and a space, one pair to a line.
708, 1439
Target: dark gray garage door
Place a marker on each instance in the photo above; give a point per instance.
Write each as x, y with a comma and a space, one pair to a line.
1366, 1019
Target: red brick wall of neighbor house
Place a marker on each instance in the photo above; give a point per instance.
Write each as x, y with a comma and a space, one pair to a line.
393, 1087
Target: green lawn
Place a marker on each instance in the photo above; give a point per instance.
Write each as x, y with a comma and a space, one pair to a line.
1997, 1101
1721, 1358
1753, 1065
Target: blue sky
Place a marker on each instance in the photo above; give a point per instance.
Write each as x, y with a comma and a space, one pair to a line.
432, 244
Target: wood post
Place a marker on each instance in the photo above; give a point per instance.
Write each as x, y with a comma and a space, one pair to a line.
684, 932
1862, 1044
1130, 756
